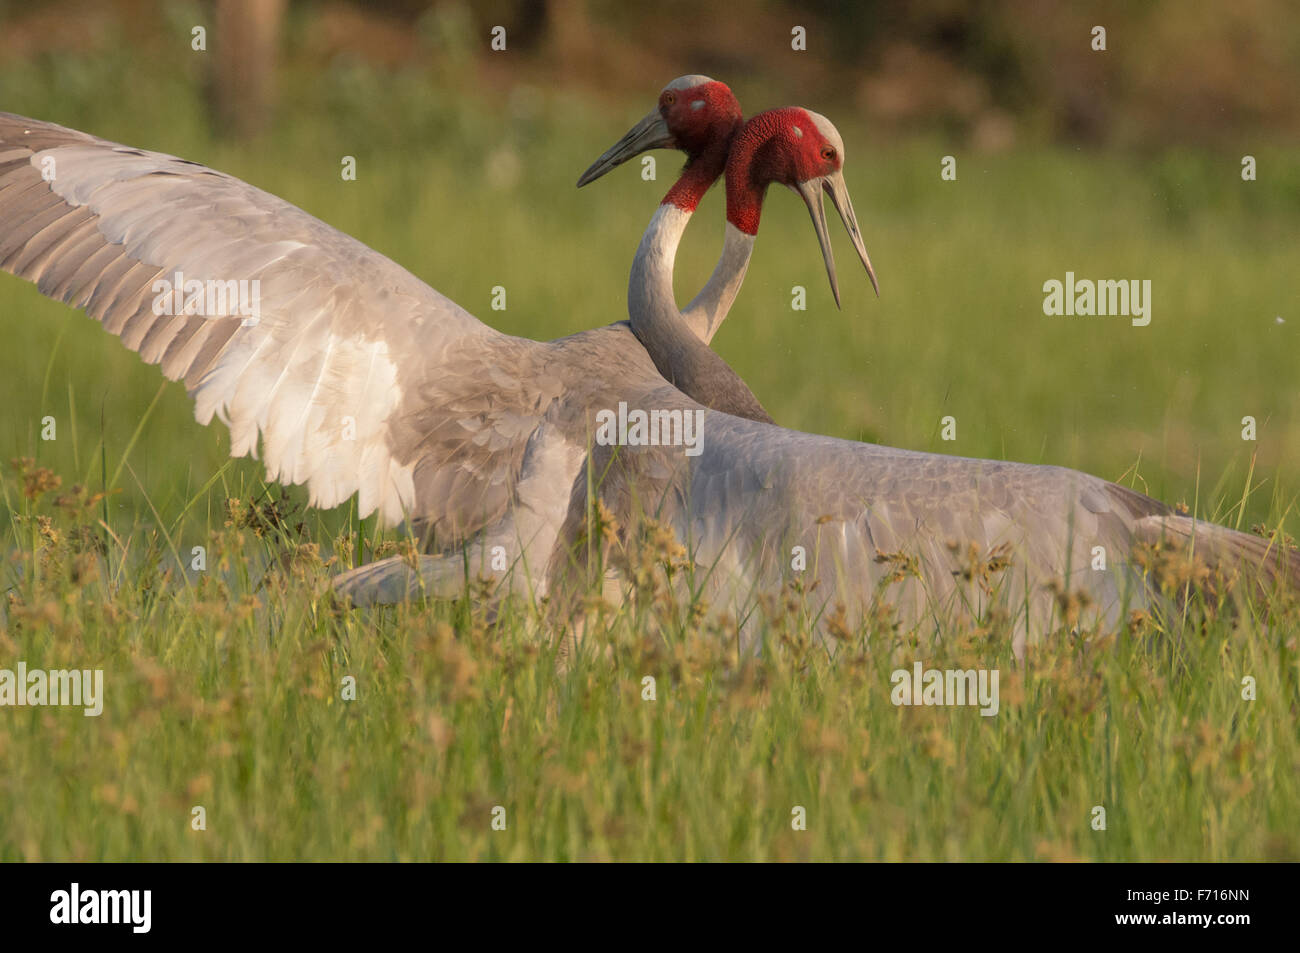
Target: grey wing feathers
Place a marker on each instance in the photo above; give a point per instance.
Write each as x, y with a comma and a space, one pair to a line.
356, 376
1223, 550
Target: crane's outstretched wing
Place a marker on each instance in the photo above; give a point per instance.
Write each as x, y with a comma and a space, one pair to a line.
357, 376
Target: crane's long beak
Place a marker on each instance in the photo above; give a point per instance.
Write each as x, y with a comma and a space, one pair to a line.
650, 133
833, 185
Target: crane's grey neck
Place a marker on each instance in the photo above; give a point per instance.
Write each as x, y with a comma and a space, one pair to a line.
677, 345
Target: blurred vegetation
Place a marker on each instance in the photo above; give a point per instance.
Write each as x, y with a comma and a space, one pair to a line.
987, 74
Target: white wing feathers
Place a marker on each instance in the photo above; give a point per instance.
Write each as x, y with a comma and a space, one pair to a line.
356, 376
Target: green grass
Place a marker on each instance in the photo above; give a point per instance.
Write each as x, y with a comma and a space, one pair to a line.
229, 697
226, 694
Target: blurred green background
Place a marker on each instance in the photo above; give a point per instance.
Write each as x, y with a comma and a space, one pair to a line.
1117, 164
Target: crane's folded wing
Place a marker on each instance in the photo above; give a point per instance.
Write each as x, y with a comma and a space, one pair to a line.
755, 492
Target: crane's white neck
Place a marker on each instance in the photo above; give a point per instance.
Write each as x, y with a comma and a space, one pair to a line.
652, 305
678, 350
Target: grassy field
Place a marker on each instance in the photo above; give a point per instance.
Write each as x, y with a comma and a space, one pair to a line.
223, 687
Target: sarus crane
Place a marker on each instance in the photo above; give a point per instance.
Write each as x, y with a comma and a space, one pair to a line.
485, 440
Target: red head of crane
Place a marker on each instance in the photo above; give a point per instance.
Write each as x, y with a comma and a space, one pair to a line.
695, 114
802, 150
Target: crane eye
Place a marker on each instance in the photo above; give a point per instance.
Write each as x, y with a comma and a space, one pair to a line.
828, 153
669, 99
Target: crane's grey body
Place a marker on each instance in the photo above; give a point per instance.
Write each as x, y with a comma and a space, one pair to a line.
853, 510
359, 378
